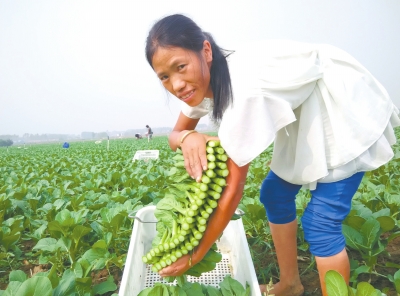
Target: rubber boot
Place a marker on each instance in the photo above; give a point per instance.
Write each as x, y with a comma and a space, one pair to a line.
285, 242
339, 262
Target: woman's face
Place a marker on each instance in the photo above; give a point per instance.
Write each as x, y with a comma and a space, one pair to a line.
183, 73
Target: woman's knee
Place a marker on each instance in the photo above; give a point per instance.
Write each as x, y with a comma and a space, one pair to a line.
324, 236
278, 197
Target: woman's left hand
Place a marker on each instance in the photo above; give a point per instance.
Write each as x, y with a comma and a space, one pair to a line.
179, 267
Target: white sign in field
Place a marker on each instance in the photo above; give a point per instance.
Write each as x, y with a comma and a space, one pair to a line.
146, 155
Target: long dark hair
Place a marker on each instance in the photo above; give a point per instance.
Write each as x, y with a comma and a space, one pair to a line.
180, 31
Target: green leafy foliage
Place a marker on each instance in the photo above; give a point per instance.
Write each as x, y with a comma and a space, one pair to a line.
68, 208
336, 286
228, 287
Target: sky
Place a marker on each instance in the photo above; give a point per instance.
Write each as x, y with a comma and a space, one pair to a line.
72, 66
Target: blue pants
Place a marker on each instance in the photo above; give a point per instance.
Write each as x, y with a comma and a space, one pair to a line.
322, 219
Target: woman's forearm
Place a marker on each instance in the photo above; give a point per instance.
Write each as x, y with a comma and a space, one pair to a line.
227, 205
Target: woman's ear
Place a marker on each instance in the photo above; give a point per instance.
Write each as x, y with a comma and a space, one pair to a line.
207, 51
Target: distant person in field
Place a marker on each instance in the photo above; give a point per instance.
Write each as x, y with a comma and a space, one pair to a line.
149, 133
138, 136
329, 120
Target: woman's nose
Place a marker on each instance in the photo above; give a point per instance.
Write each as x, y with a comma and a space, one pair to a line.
178, 84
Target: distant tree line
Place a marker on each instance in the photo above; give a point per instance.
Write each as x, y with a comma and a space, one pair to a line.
6, 143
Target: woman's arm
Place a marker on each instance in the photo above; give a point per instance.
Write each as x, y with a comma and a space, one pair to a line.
220, 218
193, 146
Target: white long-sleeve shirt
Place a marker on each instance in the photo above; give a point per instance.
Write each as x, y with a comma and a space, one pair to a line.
326, 114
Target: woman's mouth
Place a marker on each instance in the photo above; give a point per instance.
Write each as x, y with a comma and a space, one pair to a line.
187, 96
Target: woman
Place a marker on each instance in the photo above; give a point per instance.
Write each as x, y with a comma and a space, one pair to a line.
329, 119
149, 133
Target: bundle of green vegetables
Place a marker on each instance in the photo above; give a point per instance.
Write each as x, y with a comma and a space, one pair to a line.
183, 213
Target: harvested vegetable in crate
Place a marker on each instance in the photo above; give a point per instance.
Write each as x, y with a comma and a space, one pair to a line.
228, 286
183, 213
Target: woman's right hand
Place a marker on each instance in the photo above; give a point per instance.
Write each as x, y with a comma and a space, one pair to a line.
194, 152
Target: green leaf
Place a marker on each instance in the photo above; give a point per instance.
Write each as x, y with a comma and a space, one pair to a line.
392, 264
53, 277
229, 286
361, 269
58, 204
100, 244
55, 226
248, 290
387, 223
40, 232
94, 254
352, 236
351, 291
382, 212
212, 291
18, 276
12, 288
396, 278
165, 217
105, 287
46, 244
355, 222
256, 211
77, 269
159, 290
64, 243
199, 268
63, 215
96, 257
169, 203
145, 292
365, 289
369, 231
84, 286
176, 291
106, 215
335, 284
9, 240
67, 284
194, 290
36, 286
181, 280
117, 221
213, 256
80, 231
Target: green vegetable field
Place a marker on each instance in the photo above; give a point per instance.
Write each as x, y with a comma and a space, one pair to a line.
65, 230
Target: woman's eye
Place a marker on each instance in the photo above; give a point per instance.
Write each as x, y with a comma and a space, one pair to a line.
180, 67
163, 78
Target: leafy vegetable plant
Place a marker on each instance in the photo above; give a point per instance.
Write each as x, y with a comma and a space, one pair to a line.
336, 286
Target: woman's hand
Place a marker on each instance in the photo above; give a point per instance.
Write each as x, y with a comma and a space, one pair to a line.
194, 153
217, 222
179, 267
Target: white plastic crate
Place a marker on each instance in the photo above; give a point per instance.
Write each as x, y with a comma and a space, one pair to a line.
236, 259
